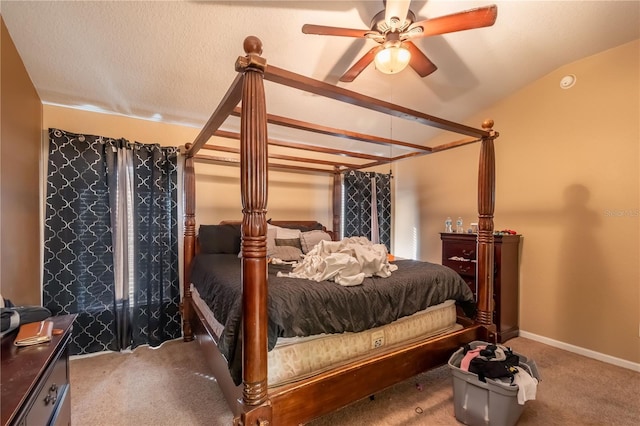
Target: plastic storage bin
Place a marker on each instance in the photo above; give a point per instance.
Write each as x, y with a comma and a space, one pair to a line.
492, 403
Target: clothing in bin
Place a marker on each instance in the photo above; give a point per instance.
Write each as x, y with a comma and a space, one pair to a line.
501, 364
491, 384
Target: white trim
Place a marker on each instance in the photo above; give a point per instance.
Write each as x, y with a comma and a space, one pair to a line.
582, 351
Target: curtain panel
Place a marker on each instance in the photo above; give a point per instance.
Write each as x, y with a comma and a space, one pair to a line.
367, 206
78, 249
156, 290
111, 246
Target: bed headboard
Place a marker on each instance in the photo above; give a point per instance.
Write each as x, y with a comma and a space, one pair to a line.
224, 238
303, 225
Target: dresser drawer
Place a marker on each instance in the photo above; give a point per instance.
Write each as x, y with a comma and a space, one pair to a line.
471, 282
62, 416
459, 252
51, 394
464, 268
460, 249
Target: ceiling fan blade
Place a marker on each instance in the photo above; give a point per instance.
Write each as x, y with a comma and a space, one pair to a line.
419, 61
359, 66
466, 20
395, 13
334, 31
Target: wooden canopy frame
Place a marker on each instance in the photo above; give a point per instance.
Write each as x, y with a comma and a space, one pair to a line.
309, 398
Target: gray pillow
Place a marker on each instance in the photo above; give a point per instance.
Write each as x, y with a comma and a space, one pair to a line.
286, 253
293, 242
216, 239
271, 240
309, 239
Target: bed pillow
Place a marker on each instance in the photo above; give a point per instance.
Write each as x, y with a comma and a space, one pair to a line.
301, 228
218, 239
287, 233
283, 234
287, 253
291, 242
309, 239
271, 239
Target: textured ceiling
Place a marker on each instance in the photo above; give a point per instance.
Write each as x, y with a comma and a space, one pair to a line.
173, 61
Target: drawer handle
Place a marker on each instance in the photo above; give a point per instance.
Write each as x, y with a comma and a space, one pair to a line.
468, 253
464, 268
49, 399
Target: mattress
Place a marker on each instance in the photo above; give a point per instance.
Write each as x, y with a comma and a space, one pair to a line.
296, 358
301, 307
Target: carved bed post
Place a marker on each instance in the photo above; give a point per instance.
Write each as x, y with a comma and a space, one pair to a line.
189, 249
337, 203
486, 204
256, 409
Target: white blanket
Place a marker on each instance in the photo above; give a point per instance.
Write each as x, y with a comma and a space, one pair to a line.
346, 262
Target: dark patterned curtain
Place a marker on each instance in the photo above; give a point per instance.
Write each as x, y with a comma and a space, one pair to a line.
111, 241
78, 250
156, 291
362, 190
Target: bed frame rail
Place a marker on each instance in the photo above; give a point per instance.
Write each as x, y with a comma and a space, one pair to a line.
342, 386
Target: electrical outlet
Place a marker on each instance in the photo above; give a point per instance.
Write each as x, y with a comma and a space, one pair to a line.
377, 339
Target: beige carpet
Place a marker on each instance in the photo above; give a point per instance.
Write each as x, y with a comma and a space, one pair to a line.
171, 386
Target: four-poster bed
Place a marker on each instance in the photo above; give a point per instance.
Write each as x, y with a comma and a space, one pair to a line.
255, 403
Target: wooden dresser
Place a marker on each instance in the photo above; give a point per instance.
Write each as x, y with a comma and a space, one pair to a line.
35, 379
459, 253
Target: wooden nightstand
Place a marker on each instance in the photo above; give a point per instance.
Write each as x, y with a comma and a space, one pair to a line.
459, 253
35, 379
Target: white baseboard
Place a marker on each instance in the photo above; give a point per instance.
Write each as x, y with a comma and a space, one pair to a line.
582, 351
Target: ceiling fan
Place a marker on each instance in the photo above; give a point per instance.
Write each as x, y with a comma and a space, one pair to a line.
395, 27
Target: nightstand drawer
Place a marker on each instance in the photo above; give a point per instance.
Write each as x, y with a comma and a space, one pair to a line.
51, 395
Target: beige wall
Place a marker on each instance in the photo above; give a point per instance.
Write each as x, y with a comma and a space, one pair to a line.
291, 195
20, 144
116, 126
568, 181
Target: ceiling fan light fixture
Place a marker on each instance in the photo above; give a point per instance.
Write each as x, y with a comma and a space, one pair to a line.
395, 28
392, 59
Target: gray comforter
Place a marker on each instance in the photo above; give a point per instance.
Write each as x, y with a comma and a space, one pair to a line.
299, 307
